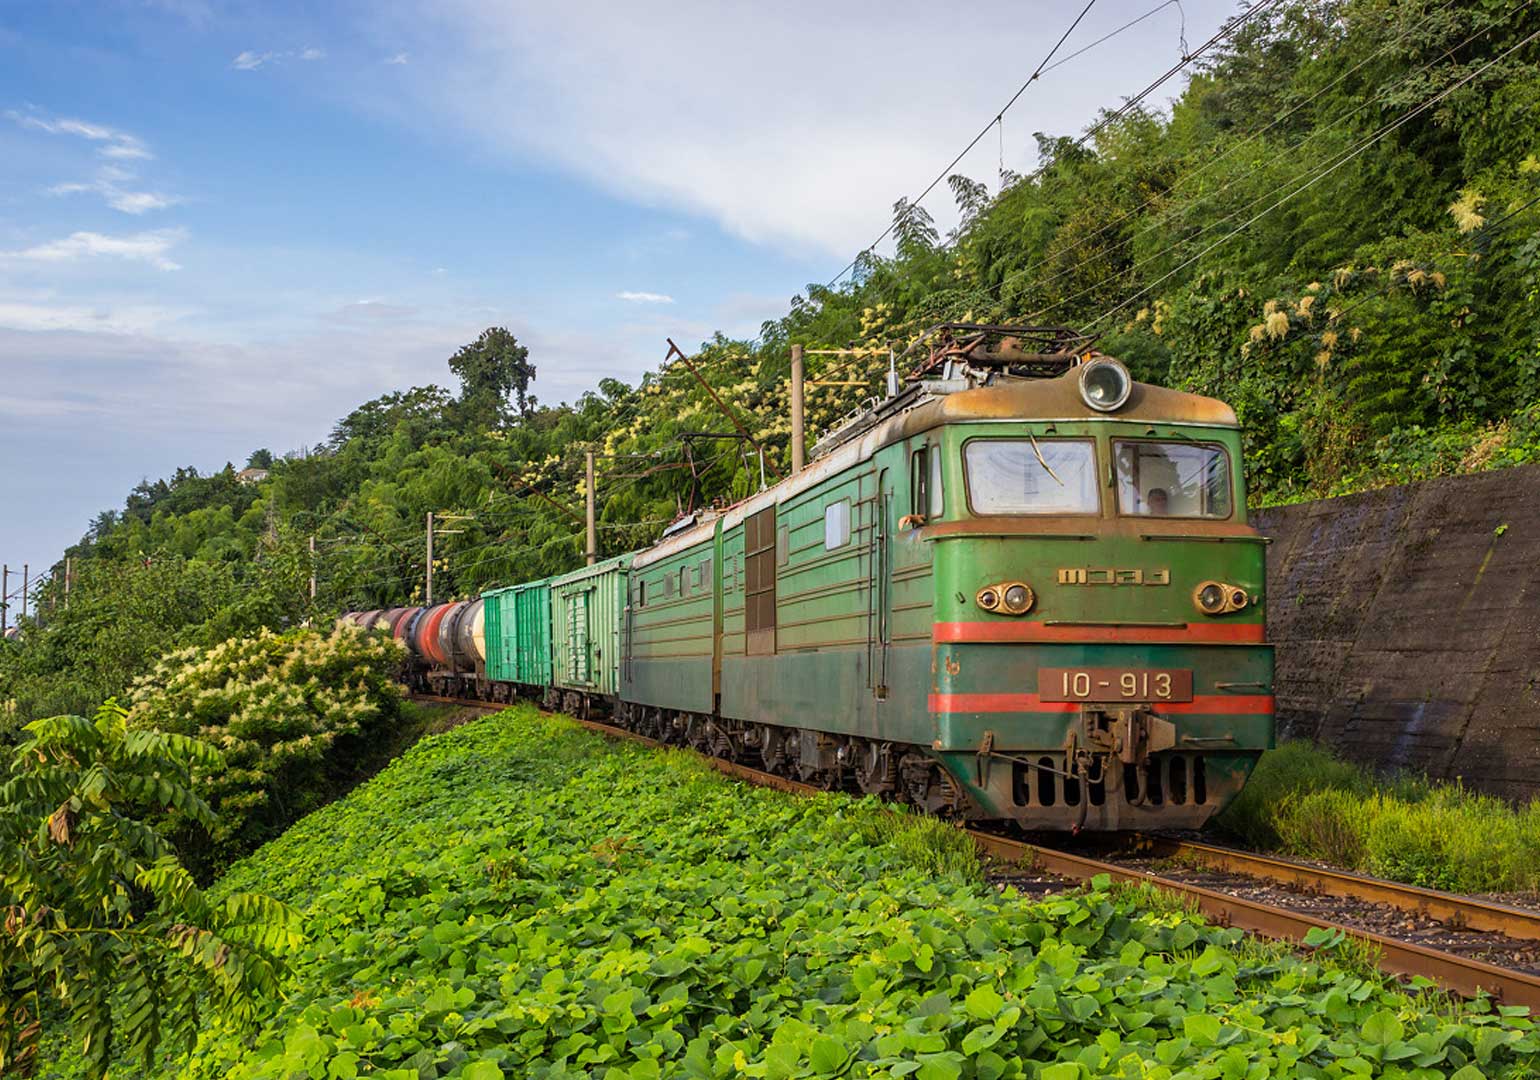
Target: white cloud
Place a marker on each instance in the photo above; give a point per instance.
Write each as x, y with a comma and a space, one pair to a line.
146, 247
645, 297
782, 136
115, 143
251, 60
108, 185
400, 58
118, 319
138, 202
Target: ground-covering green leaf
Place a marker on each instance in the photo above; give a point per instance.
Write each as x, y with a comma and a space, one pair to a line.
519, 898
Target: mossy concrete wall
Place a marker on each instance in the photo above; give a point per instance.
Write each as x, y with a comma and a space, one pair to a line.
1407, 625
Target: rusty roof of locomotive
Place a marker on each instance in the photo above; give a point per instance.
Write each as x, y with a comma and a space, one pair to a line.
1016, 399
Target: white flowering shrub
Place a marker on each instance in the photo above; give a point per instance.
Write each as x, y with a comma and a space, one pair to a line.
291, 714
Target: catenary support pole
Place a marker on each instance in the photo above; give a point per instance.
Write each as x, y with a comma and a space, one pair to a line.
588, 502
26, 583
69, 573
798, 435
5, 598
427, 596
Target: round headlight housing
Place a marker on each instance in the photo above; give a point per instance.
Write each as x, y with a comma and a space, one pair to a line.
1219, 598
1105, 384
1006, 598
1017, 598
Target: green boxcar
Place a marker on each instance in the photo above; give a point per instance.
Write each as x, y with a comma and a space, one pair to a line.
532, 617
587, 608
501, 635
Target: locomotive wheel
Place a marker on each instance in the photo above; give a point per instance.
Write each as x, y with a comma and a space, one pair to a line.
918, 774
770, 741
723, 743
875, 771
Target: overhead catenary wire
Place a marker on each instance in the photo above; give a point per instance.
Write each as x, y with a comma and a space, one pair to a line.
1225, 31
999, 116
1369, 100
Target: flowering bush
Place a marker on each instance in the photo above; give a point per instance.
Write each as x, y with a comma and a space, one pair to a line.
291, 714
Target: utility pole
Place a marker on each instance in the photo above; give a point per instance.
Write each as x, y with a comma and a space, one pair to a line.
69, 572
5, 597
593, 527
312, 572
798, 439
26, 583
427, 596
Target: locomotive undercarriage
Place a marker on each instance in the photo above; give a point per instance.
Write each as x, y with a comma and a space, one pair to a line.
1110, 772
819, 759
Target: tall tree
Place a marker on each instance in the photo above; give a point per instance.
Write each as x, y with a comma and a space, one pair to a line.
491, 368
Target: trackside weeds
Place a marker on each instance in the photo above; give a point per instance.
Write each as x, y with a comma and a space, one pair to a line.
518, 897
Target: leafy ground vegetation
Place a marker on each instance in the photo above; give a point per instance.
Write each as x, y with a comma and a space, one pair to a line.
519, 898
1331, 227
1304, 801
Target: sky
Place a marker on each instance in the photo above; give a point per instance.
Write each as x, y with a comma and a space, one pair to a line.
224, 225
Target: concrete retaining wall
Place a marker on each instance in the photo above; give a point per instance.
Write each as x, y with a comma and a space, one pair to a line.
1407, 622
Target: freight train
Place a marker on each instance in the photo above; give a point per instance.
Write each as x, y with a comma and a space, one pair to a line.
1021, 589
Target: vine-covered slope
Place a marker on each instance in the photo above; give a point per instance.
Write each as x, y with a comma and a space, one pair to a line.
1334, 227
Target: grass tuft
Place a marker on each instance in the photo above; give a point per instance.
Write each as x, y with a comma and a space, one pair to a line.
1303, 801
928, 844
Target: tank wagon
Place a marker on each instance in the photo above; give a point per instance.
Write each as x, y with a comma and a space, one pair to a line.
1023, 589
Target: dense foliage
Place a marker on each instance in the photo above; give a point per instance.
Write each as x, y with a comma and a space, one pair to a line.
294, 716
520, 898
107, 943
1333, 228
1304, 801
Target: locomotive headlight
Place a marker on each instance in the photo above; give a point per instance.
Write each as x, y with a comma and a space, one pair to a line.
1105, 384
1018, 598
1007, 598
1217, 598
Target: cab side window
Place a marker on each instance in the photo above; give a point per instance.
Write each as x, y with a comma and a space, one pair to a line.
925, 501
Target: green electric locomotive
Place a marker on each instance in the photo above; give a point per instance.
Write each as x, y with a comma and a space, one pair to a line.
1021, 589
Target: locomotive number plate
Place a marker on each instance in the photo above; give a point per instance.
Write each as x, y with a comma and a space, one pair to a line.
1107, 684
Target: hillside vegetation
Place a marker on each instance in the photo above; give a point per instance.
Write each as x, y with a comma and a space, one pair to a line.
1334, 228
520, 898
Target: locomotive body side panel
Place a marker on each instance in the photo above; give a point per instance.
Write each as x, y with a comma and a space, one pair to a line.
671, 616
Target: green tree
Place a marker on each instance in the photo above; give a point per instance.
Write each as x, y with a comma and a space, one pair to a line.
102, 926
491, 368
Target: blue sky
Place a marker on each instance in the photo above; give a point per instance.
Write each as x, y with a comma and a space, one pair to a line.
223, 225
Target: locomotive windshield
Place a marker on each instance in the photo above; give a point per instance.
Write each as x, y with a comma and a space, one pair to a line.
1031, 476
1172, 479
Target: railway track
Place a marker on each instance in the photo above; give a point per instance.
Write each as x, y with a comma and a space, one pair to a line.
1461, 973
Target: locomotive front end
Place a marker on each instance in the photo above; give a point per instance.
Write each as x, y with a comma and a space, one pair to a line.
1098, 647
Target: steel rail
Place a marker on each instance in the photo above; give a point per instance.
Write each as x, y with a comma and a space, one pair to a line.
1464, 912
1460, 974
